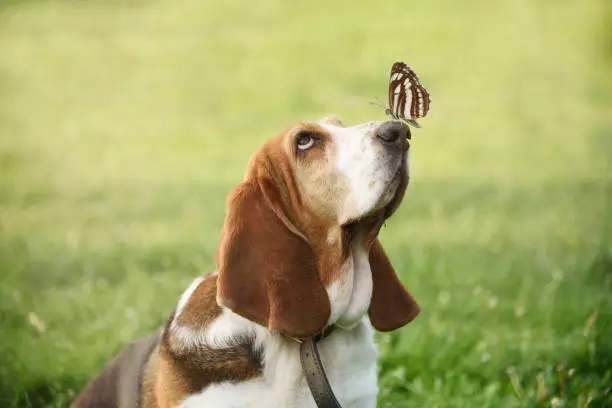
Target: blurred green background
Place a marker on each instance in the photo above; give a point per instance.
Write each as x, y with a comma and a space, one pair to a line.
123, 126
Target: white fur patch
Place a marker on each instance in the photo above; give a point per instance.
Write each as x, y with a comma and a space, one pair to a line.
185, 338
368, 166
340, 292
222, 331
350, 296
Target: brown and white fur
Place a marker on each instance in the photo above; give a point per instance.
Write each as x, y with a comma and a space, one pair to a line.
298, 253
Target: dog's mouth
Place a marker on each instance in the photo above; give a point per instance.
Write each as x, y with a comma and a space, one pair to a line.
400, 180
367, 225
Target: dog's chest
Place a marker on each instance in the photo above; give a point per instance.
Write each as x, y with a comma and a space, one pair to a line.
349, 358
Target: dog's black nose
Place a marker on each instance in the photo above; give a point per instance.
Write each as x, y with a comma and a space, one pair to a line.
393, 133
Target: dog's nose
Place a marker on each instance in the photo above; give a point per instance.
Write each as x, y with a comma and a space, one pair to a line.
393, 133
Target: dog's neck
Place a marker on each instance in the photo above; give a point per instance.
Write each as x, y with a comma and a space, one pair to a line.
351, 294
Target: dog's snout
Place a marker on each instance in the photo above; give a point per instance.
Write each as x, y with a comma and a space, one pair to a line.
393, 133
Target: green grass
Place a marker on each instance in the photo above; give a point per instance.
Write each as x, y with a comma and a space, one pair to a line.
122, 129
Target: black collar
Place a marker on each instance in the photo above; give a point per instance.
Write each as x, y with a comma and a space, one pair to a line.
315, 372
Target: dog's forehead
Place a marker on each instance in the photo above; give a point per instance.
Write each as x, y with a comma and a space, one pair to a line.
360, 129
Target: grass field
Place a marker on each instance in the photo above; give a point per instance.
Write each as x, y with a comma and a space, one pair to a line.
123, 128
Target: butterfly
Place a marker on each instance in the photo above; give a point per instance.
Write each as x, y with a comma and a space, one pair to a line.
408, 99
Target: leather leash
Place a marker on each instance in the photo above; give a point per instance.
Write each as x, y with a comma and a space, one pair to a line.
313, 369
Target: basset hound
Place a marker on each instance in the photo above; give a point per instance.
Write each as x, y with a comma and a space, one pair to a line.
298, 255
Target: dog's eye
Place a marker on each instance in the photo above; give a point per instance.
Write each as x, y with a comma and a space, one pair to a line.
304, 141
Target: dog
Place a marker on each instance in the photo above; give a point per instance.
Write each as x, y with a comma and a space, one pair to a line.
298, 256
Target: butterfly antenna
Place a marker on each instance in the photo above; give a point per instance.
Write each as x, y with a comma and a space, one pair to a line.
377, 103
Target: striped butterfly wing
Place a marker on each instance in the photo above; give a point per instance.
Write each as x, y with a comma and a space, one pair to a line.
408, 99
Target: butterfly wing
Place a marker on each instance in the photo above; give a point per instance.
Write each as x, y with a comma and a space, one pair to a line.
395, 85
408, 99
417, 105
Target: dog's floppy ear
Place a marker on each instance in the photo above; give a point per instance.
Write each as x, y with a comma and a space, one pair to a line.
267, 273
392, 306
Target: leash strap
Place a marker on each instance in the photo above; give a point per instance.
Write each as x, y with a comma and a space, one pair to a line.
315, 374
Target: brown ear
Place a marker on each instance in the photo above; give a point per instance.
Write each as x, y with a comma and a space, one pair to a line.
267, 273
392, 306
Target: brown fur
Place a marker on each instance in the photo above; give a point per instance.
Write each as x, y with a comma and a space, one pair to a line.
266, 273
202, 308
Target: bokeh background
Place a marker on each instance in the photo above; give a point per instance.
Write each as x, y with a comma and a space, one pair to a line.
123, 126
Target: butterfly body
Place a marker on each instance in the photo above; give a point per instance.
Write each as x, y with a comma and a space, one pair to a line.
408, 99
394, 116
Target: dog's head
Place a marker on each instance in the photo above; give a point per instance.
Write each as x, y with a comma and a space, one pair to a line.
298, 248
